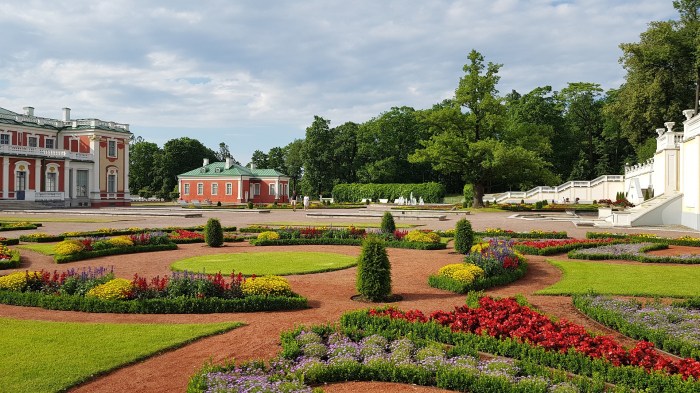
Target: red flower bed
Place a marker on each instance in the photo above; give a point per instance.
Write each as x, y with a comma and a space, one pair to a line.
183, 234
505, 318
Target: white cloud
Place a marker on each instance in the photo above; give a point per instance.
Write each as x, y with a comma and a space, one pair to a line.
244, 66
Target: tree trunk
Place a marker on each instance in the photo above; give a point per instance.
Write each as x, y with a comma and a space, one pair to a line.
478, 195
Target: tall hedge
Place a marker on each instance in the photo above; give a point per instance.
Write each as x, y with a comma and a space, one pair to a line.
213, 233
464, 236
430, 192
388, 224
374, 270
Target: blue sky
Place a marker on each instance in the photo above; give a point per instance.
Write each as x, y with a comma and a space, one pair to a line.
253, 74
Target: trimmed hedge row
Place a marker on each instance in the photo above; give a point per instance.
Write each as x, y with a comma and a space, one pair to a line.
346, 242
430, 192
113, 251
575, 254
559, 249
452, 285
18, 228
13, 262
611, 319
691, 242
525, 235
47, 239
10, 242
133, 232
180, 305
572, 361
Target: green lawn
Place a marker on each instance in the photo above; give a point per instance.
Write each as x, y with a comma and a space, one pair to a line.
266, 263
40, 356
41, 248
623, 279
333, 224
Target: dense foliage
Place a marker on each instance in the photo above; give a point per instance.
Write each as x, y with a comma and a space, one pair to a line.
388, 225
213, 233
464, 236
373, 270
430, 192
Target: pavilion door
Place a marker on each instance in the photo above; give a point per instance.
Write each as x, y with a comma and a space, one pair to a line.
21, 184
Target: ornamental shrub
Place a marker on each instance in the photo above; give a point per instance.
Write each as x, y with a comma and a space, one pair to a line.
68, 247
266, 286
374, 270
120, 241
268, 235
468, 193
464, 236
388, 224
213, 233
116, 289
422, 237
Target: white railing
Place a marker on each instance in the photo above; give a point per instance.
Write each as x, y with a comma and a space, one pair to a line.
71, 123
546, 192
639, 169
691, 127
44, 152
49, 196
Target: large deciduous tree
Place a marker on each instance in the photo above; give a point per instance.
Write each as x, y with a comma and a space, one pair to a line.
143, 158
179, 155
317, 155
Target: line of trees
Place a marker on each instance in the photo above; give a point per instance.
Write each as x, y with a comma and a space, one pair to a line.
494, 142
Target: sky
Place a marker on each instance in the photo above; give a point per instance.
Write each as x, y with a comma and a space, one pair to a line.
253, 74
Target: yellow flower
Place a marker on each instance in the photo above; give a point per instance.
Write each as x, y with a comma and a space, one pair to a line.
465, 273
268, 235
68, 247
115, 289
266, 286
479, 248
17, 281
121, 241
422, 237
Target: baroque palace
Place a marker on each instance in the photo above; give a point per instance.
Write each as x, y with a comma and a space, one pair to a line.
63, 162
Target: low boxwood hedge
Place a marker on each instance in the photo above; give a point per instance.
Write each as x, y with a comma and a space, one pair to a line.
113, 251
452, 285
181, 305
43, 239
18, 227
346, 242
10, 242
11, 263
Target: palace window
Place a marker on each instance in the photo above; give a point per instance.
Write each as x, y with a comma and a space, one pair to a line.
111, 148
186, 189
51, 183
200, 188
111, 183
49, 143
273, 189
4, 139
229, 188
31, 141
81, 182
214, 188
256, 189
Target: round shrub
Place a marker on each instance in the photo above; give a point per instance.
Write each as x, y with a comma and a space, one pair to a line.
268, 235
464, 236
374, 270
213, 233
388, 224
266, 286
116, 289
68, 247
422, 237
17, 281
121, 241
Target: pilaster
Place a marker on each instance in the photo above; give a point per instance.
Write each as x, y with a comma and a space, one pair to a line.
37, 174
5, 177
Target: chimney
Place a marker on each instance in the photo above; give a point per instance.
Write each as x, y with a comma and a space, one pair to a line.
66, 114
252, 166
29, 110
206, 162
228, 163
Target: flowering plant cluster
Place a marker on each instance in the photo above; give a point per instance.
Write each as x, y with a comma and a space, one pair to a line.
463, 272
506, 319
634, 252
495, 257
185, 234
5, 253
422, 237
78, 245
556, 246
675, 329
336, 357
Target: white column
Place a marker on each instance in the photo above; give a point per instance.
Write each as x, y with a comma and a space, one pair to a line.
126, 170
279, 189
240, 188
67, 192
94, 192
5, 176
37, 174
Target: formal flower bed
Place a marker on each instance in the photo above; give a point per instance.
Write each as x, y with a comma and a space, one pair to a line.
314, 357
533, 234
136, 230
634, 252
648, 237
8, 258
17, 226
91, 247
558, 246
487, 265
674, 329
98, 290
41, 238
504, 327
351, 236
9, 241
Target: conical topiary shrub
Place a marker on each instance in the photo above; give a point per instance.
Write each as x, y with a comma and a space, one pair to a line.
464, 236
374, 271
388, 224
213, 233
